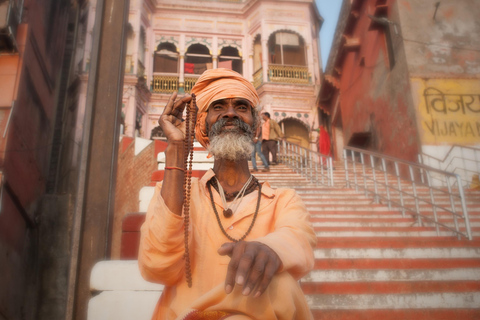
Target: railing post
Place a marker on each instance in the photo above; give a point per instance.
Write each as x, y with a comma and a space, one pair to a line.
414, 187
354, 170
397, 172
345, 162
464, 208
389, 201
364, 174
372, 164
330, 160
432, 199
453, 205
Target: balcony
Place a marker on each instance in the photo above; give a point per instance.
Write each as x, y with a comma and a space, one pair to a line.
164, 83
258, 78
288, 74
190, 81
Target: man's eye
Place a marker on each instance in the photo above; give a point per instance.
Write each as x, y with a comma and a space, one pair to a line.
217, 107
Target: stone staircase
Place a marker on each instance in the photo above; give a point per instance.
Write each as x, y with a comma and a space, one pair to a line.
371, 262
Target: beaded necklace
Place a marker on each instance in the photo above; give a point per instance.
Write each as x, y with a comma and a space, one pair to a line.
218, 217
187, 184
227, 211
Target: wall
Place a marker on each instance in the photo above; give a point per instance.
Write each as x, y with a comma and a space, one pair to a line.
444, 67
374, 92
31, 78
134, 171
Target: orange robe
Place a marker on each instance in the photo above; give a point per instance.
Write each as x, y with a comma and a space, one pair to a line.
282, 224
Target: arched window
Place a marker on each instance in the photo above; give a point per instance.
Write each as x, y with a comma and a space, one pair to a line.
286, 48
197, 59
141, 53
230, 58
166, 58
257, 53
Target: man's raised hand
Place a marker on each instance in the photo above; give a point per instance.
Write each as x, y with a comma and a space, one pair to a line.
252, 265
171, 120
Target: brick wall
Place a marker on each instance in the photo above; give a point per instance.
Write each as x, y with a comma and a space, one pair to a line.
133, 173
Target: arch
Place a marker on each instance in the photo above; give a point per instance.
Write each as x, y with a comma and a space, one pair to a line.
257, 53
230, 55
165, 58
142, 45
287, 47
296, 131
201, 41
197, 58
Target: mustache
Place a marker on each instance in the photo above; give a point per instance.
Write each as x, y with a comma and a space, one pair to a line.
240, 127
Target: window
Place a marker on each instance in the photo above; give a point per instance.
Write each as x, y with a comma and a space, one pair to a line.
197, 59
166, 58
229, 58
286, 48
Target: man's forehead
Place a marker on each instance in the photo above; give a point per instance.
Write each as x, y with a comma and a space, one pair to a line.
233, 100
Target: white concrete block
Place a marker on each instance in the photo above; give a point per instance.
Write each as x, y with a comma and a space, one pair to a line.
120, 275
141, 144
123, 305
144, 197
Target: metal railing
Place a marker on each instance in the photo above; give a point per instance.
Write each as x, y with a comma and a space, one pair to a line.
258, 78
190, 81
164, 83
462, 160
314, 166
408, 186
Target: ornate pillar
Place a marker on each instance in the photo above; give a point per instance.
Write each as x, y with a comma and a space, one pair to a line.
265, 59
215, 62
181, 78
250, 69
130, 113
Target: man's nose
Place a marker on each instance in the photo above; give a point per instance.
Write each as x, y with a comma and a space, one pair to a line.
230, 112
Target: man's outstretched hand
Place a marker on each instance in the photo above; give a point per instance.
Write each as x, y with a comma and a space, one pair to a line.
252, 265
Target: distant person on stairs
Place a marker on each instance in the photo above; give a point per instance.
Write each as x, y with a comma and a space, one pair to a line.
248, 244
271, 133
257, 143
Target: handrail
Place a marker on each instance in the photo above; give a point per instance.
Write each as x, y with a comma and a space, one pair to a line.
315, 166
466, 164
408, 186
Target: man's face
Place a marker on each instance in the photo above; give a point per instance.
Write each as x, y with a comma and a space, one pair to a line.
230, 128
229, 110
264, 117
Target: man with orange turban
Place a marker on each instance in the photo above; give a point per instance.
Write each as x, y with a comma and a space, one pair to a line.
248, 243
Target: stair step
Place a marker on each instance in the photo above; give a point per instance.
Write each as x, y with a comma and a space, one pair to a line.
416, 300
402, 263
397, 253
396, 313
393, 275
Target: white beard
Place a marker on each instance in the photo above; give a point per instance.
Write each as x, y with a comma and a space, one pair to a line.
231, 146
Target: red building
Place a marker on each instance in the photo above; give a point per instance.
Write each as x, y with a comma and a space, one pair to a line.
387, 57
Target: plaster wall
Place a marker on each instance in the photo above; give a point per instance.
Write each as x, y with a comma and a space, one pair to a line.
373, 94
449, 42
444, 66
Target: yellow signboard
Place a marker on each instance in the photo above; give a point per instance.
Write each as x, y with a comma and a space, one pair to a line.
448, 110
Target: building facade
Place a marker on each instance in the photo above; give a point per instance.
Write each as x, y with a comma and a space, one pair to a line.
274, 44
403, 77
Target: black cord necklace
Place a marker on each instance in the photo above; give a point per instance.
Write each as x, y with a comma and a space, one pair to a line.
218, 217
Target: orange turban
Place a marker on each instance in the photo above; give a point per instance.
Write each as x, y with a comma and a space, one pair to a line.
215, 84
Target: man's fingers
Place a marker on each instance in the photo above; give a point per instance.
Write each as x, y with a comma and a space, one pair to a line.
236, 254
244, 265
226, 249
179, 106
269, 271
169, 106
256, 273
